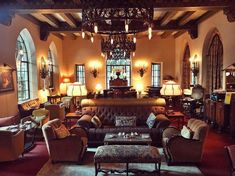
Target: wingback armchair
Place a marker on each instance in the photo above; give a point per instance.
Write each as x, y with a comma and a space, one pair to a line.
178, 149
11, 145
70, 148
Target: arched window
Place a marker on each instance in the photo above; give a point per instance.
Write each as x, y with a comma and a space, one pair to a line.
118, 61
51, 69
22, 70
186, 68
26, 65
214, 64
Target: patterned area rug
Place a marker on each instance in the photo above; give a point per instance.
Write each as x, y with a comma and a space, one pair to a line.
87, 168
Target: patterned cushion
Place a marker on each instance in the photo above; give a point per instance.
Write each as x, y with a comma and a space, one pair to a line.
151, 120
61, 132
96, 122
125, 121
186, 132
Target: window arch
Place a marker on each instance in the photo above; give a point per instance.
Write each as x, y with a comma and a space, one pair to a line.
22, 69
214, 64
119, 60
186, 68
51, 65
27, 84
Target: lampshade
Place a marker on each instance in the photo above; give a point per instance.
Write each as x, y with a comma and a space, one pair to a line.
171, 88
76, 89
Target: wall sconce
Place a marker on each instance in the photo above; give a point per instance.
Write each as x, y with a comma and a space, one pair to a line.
195, 67
94, 72
142, 67
43, 70
94, 65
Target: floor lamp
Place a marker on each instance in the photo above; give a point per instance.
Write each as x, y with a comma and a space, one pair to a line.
170, 89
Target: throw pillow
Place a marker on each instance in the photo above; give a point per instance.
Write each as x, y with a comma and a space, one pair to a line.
125, 121
151, 120
186, 132
96, 121
61, 132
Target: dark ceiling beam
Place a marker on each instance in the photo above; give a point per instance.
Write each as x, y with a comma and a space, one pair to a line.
166, 34
183, 19
167, 17
69, 19
179, 33
63, 6
52, 19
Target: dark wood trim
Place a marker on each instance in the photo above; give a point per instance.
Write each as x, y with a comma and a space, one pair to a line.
62, 6
31, 19
166, 34
52, 19
179, 33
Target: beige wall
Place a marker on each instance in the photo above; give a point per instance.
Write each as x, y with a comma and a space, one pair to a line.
8, 36
81, 51
199, 46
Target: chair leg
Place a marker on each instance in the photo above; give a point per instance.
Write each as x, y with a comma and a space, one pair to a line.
96, 169
127, 168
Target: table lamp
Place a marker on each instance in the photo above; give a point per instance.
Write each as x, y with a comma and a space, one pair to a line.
78, 91
170, 88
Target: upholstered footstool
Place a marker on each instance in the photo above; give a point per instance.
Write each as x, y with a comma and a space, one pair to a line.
126, 154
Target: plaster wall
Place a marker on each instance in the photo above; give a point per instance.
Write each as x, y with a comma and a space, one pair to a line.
82, 51
199, 46
8, 36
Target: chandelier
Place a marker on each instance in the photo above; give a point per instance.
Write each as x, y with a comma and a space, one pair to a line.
117, 17
116, 44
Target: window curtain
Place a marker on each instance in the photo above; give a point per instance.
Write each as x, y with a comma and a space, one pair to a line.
215, 64
186, 69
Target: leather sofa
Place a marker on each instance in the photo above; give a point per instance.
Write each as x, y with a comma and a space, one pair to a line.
27, 107
107, 109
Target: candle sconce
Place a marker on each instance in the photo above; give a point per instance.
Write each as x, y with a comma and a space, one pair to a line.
94, 72
142, 67
141, 71
43, 70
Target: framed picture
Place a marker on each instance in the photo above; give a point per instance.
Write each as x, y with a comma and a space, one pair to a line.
6, 80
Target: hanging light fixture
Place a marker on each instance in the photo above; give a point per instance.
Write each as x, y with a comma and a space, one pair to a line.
111, 41
96, 28
110, 16
83, 34
150, 32
134, 39
126, 26
92, 38
133, 54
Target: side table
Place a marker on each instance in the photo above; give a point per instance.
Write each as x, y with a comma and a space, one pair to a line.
178, 116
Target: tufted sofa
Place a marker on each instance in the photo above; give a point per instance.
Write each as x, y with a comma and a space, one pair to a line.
107, 109
27, 107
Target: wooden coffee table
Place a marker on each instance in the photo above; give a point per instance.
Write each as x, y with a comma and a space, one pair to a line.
178, 116
114, 138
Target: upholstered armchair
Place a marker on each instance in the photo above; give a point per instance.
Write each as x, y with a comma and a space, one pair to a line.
178, 149
56, 111
11, 145
70, 148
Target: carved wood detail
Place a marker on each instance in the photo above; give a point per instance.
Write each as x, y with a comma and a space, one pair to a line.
230, 13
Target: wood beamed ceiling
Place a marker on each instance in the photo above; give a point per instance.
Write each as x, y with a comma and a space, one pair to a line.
63, 18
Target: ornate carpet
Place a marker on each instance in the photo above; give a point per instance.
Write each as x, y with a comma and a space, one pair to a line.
87, 168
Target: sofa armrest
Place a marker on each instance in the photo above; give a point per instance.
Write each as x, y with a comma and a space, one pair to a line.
5, 121
69, 147
181, 148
